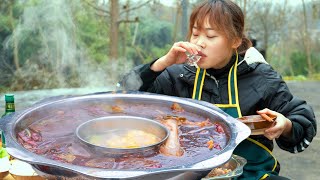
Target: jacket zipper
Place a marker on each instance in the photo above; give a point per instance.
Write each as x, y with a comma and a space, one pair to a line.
215, 80
207, 74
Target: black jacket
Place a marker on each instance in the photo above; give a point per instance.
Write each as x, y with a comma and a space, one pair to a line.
259, 87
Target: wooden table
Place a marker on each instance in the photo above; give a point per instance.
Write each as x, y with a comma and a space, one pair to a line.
8, 177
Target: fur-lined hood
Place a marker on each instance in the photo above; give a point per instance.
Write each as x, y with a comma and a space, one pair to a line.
253, 56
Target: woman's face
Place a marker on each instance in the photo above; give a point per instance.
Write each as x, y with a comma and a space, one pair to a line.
216, 48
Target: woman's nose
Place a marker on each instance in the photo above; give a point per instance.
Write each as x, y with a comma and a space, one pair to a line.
201, 42
201, 45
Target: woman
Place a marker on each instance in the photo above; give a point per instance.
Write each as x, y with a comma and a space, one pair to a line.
238, 85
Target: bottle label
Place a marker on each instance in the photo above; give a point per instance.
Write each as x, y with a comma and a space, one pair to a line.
10, 107
2, 139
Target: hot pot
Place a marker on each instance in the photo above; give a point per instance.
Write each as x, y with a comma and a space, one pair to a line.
57, 118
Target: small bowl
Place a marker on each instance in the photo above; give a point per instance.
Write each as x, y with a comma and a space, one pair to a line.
21, 170
257, 123
235, 165
4, 167
114, 124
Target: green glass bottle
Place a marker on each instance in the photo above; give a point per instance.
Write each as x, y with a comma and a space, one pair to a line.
3, 151
1, 137
9, 108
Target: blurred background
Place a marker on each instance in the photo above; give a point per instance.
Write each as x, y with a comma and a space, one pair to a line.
61, 47
90, 43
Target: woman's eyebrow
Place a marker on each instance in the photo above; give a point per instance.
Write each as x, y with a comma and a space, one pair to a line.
206, 29
209, 29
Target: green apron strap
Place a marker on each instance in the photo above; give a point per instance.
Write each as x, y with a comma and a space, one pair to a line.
231, 89
198, 84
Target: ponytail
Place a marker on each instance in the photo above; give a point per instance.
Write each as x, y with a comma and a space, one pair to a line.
244, 46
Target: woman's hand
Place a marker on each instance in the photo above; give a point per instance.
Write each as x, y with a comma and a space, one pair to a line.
282, 127
176, 55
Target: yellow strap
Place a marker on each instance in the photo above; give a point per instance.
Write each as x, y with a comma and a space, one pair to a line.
196, 83
235, 79
227, 105
229, 85
264, 176
265, 148
202, 81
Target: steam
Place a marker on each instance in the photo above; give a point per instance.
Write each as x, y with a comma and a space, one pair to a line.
131, 81
53, 24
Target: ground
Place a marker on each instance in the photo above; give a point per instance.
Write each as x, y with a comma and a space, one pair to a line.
304, 165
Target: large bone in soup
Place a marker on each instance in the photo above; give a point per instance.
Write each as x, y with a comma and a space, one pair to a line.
172, 145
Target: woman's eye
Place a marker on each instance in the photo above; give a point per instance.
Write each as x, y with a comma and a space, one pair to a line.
211, 37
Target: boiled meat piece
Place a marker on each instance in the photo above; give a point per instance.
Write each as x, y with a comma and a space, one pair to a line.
172, 146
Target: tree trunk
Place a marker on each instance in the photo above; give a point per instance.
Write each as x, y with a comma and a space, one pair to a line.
114, 29
184, 18
245, 8
126, 29
306, 40
265, 32
14, 39
176, 24
135, 34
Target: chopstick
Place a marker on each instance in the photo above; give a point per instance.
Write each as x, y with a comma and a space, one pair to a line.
269, 118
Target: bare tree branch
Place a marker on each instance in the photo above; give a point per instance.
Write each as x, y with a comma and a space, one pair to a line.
97, 8
136, 7
128, 21
140, 52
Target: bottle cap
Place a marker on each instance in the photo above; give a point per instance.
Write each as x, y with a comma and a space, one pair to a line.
9, 98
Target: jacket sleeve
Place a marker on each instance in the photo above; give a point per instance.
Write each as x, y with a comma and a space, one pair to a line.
280, 99
142, 78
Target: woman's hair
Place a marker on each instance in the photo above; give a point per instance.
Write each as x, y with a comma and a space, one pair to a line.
224, 16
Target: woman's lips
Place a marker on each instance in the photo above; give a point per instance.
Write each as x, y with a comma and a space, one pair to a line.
201, 54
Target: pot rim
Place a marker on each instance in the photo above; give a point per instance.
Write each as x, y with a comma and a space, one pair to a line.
239, 132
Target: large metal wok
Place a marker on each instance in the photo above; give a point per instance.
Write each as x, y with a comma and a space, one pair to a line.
13, 124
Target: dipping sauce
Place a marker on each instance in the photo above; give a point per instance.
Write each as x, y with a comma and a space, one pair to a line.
124, 139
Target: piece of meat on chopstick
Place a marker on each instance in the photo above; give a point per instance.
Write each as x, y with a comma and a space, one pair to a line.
172, 145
